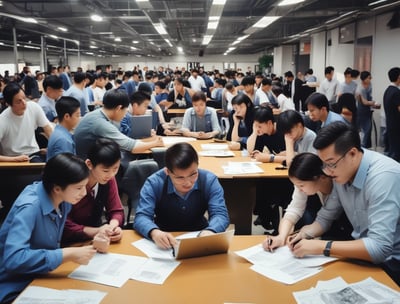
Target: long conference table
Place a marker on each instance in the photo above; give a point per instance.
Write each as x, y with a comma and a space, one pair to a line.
222, 278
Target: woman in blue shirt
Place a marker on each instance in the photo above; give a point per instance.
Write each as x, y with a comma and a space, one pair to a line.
31, 234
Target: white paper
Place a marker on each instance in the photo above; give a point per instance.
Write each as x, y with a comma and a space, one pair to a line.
109, 269
150, 249
155, 271
217, 153
281, 265
42, 295
233, 168
170, 140
338, 291
214, 147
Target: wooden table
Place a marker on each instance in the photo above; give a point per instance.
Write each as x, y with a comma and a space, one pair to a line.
213, 279
240, 190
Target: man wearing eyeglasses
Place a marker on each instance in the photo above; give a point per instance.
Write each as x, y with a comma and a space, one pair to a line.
366, 188
176, 198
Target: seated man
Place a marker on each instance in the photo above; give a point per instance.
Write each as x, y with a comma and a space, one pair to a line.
366, 188
69, 114
85, 221
200, 121
17, 127
176, 197
99, 123
53, 89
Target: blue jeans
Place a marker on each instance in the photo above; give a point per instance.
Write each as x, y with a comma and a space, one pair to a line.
364, 122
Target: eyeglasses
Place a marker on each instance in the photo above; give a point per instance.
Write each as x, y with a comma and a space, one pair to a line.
333, 166
181, 179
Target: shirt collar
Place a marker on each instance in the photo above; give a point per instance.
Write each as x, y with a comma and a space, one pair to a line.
362, 171
171, 188
45, 202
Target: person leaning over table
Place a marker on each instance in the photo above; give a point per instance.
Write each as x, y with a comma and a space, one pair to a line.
85, 220
31, 234
176, 197
366, 188
200, 121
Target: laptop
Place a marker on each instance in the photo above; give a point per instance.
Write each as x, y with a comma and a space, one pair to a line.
141, 126
205, 245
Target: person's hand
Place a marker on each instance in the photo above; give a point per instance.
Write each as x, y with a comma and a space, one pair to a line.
233, 145
205, 233
236, 119
203, 135
273, 242
295, 238
289, 140
308, 247
164, 240
158, 142
20, 158
153, 133
101, 242
80, 255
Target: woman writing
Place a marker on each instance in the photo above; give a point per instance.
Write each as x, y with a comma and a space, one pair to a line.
31, 234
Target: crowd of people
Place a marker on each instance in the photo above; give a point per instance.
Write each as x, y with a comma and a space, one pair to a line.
320, 130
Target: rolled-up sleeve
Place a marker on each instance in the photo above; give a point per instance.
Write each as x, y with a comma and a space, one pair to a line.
297, 206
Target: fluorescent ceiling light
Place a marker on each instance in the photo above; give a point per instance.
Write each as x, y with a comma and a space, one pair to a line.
53, 36
142, 0
265, 21
180, 49
135, 42
133, 48
169, 42
160, 28
24, 19
376, 2
96, 18
212, 25
117, 39
289, 2
63, 29
214, 18
93, 47
206, 39
243, 37
218, 2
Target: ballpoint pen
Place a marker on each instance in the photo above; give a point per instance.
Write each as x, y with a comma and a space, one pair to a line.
269, 244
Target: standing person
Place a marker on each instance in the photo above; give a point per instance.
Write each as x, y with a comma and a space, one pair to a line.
391, 101
175, 198
349, 85
85, 219
365, 104
330, 85
61, 140
31, 234
366, 189
196, 82
200, 121
53, 90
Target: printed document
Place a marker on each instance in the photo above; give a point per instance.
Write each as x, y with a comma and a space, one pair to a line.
235, 168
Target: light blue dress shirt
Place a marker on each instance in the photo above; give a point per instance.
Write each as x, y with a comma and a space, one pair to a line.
372, 205
30, 240
60, 141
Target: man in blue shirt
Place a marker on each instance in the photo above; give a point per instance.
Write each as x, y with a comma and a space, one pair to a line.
366, 188
176, 197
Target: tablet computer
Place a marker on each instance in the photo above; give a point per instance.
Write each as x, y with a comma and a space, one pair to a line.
141, 126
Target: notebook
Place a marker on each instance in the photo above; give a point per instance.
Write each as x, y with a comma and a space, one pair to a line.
141, 126
205, 245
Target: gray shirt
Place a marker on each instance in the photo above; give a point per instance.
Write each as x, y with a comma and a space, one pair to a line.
305, 144
372, 205
95, 125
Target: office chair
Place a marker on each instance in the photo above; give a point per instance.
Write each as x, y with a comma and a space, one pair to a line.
133, 179
159, 156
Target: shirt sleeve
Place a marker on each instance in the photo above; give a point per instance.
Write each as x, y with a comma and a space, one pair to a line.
218, 218
144, 217
108, 130
41, 119
114, 209
214, 121
330, 211
19, 256
125, 127
297, 206
187, 120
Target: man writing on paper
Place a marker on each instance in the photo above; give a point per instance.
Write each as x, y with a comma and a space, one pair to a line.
176, 197
366, 185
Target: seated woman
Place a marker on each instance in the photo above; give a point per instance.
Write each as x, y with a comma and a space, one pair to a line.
200, 121
240, 121
85, 218
30, 236
305, 172
179, 97
176, 198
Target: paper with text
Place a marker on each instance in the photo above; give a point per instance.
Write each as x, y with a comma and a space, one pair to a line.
233, 168
155, 271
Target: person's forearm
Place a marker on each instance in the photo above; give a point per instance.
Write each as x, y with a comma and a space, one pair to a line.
142, 146
91, 231
349, 249
285, 228
235, 132
251, 142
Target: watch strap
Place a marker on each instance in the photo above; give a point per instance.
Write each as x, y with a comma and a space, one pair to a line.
327, 250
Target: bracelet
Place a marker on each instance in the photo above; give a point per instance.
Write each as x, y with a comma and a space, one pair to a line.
271, 158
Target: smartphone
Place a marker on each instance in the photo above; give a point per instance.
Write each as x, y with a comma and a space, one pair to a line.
281, 168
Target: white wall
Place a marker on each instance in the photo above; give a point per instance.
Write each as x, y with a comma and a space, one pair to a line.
283, 60
317, 55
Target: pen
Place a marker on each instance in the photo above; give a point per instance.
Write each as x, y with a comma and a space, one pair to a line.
269, 244
173, 249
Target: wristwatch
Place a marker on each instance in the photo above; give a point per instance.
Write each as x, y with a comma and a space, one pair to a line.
327, 250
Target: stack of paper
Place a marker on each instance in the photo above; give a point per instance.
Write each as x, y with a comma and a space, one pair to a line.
281, 265
337, 290
216, 150
234, 168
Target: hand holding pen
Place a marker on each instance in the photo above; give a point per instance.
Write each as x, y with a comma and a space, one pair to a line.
164, 240
297, 236
273, 242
